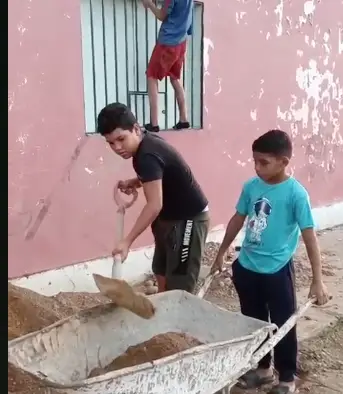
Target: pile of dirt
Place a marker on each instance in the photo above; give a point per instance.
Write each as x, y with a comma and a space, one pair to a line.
157, 347
324, 352
29, 311
211, 251
79, 301
21, 382
302, 266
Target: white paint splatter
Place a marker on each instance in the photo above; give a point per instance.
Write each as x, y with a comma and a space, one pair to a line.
239, 16
241, 163
88, 171
253, 114
309, 7
267, 36
208, 44
219, 87
300, 53
11, 96
21, 29
279, 13
22, 139
340, 41
326, 45
22, 83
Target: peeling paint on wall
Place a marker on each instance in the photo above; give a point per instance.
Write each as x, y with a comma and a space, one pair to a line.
239, 16
309, 8
317, 113
10, 101
279, 14
208, 45
219, 90
90, 172
253, 115
322, 89
340, 41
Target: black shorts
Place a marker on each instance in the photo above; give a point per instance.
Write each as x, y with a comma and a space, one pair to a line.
179, 246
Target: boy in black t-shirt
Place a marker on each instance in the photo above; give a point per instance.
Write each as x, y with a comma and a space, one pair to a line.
176, 208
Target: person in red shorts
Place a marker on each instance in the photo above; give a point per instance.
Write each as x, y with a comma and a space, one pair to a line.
168, 56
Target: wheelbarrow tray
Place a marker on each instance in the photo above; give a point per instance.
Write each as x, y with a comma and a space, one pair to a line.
63, 354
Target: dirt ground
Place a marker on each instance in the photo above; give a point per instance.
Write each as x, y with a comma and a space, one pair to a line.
321, 329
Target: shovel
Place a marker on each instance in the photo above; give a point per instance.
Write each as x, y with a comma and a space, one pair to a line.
122, 207
116, 289
123, 295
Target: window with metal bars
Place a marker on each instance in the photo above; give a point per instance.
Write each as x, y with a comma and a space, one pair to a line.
118, 37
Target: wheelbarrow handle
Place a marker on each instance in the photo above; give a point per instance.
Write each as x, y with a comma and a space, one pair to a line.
207, 282
281, 333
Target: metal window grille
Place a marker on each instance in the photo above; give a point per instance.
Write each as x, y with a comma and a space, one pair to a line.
118, 37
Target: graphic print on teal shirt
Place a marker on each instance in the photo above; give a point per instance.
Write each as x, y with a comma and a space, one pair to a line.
275, 216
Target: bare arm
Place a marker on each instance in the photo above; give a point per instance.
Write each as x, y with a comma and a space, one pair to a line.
153, 206
160, 13
135, 183
313, 252
233, 228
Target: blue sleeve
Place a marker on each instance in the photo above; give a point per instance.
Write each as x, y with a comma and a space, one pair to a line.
242, 206
302, 210
168, 5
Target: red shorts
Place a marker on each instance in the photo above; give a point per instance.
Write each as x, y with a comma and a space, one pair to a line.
166, 61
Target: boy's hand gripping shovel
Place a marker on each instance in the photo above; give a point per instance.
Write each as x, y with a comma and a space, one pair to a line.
116, 289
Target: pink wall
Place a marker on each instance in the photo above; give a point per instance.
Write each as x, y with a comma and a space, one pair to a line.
60, 182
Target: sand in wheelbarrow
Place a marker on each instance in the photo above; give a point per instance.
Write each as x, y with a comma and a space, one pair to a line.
159, 346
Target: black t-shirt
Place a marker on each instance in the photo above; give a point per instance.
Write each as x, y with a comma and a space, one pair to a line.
182, 196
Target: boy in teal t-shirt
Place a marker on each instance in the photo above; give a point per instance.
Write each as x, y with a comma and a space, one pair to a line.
277, 208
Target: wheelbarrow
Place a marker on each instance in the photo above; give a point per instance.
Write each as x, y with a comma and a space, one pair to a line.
63, 354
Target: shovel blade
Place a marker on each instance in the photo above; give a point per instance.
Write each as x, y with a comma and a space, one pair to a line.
121, 293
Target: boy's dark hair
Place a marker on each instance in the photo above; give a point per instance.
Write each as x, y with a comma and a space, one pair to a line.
274, 142
113, 116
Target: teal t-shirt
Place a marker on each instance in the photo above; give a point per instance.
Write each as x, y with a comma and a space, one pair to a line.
275, 216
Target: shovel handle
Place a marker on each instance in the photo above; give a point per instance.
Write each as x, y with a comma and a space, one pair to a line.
116, 266
122, 206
